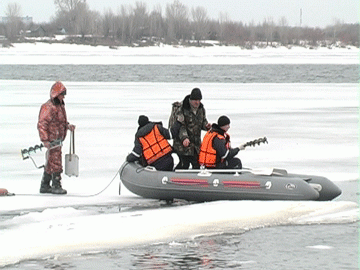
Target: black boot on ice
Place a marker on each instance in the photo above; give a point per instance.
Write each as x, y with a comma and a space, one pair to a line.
56, 184
45, 183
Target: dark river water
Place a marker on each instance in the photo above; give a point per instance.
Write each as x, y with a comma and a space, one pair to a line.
185, 73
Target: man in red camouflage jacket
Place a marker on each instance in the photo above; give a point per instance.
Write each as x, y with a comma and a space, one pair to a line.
52, 127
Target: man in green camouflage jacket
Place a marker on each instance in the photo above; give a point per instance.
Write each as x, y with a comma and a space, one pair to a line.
191, 114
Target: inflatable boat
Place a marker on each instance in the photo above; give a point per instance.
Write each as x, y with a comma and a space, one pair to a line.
233, 184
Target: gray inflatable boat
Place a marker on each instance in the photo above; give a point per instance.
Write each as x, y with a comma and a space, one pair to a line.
235, 184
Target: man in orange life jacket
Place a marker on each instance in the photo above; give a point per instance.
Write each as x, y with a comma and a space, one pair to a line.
151, 145
215, 151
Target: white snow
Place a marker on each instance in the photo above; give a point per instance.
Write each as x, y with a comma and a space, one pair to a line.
301, 140
321, 247
57, 54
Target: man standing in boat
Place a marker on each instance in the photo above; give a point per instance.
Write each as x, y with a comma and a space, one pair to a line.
151, 145
191, 113
215, 151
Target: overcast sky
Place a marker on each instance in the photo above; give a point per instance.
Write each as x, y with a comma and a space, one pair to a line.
314, 12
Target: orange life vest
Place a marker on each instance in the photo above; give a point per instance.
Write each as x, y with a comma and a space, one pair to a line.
207, 156
154, 145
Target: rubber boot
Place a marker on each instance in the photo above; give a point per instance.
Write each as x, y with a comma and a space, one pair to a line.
45, 183
56, 184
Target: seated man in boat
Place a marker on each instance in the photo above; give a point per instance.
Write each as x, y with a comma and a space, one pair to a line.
215, 151
151, 145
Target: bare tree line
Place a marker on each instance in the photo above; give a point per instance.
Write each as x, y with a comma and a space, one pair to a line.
179, 25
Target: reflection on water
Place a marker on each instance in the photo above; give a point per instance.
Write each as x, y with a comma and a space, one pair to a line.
191, 255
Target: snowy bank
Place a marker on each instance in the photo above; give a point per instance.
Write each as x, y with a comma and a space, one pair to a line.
61, 54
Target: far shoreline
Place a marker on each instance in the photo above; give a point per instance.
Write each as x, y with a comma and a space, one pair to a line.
39, 52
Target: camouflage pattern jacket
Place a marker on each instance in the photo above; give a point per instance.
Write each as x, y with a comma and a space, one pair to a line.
52, 124
191, 127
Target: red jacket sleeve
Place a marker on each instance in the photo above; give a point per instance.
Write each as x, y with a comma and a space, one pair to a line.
45, 117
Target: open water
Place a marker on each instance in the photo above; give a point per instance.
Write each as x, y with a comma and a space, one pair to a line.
330, 246
326, 247
277, 73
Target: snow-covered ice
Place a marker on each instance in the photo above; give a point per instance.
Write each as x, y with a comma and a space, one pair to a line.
303, 138
57, 54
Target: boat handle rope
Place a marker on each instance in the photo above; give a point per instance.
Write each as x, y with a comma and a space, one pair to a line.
78, 196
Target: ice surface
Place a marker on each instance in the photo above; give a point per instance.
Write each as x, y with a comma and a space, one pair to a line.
309, 129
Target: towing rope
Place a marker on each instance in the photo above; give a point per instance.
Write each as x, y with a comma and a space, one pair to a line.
70, 195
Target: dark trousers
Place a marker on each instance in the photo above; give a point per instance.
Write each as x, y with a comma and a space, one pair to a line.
185, 161
165, 163
234, 163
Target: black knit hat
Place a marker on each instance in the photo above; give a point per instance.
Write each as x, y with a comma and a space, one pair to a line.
143, 120
196, 94
223, 121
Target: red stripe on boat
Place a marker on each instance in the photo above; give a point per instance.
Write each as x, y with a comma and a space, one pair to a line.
191, 182
241, 184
